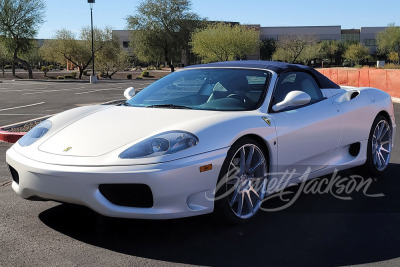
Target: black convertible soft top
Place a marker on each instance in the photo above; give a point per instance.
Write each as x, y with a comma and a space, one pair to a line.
275, 66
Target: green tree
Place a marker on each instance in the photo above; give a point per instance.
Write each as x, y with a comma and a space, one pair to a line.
162, 28
112, 58
310, 52
65, 46
19, 23
267, 48
5, 57
32, 56
389, 40
284, 55
333, 50
291, 46
222, 42
356, 52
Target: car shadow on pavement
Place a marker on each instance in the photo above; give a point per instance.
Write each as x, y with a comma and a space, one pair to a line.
317, 230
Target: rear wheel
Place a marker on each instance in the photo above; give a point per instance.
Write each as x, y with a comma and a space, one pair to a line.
242, 182
379, 147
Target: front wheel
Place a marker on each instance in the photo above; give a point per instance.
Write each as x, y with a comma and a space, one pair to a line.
242, 183
379, 147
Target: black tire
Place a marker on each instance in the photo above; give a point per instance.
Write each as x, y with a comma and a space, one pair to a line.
372, 166
226, 208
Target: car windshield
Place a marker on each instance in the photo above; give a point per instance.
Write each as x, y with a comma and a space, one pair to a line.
207, 89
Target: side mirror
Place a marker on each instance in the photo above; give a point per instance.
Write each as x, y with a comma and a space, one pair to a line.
129, 92
293, 99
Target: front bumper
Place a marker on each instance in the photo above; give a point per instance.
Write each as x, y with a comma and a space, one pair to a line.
178, 187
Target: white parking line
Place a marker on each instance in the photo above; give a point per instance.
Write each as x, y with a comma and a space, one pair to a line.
18, 90
56, 90
98, 90
23, 114
40, 103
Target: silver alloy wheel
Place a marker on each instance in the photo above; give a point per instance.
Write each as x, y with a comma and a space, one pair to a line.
247, 181
381, 145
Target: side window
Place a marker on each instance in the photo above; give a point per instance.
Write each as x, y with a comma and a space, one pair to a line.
296, 81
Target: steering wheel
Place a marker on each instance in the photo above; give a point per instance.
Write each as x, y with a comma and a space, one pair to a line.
242, 98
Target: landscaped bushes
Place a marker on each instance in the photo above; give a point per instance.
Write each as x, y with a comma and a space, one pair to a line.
145, 74
390, 66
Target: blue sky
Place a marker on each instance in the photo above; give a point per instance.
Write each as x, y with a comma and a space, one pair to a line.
74, 14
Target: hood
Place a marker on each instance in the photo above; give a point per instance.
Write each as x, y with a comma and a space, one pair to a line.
104, 131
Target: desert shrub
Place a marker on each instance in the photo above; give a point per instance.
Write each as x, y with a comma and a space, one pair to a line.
7, 67
162, 66
151, 67
73, 74
51, 67
138, 68
391, 66
60, 78
45, 70
145, 74
129, 76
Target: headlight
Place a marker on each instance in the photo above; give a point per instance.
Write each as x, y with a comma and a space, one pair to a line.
35, 133
161, 144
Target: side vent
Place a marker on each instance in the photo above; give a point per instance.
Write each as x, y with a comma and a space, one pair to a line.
354, 95
354, 149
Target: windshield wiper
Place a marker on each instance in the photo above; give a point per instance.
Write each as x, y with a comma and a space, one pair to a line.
169, 106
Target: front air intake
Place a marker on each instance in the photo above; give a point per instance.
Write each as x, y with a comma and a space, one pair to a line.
128, 195
14, 174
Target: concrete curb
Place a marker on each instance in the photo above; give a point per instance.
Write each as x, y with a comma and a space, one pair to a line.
396, 100
10, 137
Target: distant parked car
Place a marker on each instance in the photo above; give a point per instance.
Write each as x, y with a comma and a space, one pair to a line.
222, 129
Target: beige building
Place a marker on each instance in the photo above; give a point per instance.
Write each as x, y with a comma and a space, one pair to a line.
365, 35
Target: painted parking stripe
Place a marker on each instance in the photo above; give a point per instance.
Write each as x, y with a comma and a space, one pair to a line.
40, 103
30, 114
57, 90
98, 90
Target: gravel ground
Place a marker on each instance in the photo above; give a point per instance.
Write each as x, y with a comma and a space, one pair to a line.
23, 128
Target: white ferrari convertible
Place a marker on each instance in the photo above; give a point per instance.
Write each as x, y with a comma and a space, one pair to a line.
216, 138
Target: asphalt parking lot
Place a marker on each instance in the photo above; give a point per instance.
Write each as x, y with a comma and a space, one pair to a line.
25, 100
318, 230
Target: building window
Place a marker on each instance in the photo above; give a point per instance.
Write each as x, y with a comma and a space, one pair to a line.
370, 42
125, 44
350, 37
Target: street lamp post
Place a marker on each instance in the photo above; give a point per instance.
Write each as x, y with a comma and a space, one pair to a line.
93, 77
